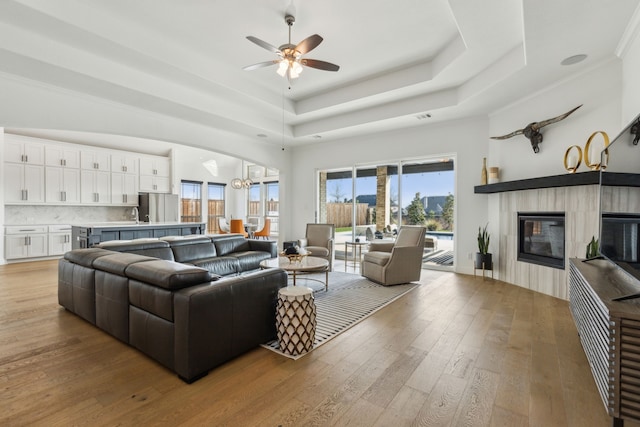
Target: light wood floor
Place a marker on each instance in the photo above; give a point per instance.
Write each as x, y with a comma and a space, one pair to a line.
457, 351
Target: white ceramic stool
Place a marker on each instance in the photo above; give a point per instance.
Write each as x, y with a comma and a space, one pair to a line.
296, 319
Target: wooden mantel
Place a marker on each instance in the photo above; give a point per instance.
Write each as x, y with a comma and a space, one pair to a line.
565, 180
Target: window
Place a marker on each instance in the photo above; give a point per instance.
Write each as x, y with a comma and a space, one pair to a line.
191, 201
215, 206
373, 200
272, 204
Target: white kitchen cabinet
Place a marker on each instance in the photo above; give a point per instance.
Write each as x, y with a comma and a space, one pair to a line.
155, 166
95, 160
23, 183
124, 189
95, 187
22, 150
25, 242
155, 174
155, 184
124, 163
59, 238
62, 156
62, 185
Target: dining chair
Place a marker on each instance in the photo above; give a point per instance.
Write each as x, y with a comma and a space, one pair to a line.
266, 230
237, 227
223, 226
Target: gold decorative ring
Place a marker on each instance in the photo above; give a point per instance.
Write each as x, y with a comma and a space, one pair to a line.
575, 167
599, 165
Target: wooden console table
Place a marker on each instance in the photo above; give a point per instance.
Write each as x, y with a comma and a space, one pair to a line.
609, 332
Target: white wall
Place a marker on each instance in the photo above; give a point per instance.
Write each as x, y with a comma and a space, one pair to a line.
598, 89
466, 139
631, 64
2, 196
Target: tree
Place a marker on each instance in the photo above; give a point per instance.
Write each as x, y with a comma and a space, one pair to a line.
415, 211
336, 193
447, 211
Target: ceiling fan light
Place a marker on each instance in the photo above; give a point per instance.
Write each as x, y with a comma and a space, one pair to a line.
282, 68
296, 69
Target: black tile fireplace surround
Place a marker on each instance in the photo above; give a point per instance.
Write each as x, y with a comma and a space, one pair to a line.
541, 238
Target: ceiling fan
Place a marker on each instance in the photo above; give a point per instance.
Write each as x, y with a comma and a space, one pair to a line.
290, 61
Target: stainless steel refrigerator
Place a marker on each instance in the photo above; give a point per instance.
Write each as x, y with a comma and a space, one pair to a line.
158, 207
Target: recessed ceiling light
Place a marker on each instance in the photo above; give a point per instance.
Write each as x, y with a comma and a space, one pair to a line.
423, 116
573, 59
261, 135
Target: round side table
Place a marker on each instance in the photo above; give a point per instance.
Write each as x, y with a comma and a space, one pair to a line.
296, 319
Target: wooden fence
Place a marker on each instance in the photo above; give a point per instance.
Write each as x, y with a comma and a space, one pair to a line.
191, 210
254, 208
341, 214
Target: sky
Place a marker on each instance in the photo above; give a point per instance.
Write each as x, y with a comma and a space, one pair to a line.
427, 184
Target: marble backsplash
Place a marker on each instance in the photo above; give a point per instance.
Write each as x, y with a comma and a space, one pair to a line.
50, 215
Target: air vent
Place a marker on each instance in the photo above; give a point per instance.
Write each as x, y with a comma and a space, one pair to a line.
423, 116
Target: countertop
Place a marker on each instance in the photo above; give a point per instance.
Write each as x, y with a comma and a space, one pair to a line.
131, 224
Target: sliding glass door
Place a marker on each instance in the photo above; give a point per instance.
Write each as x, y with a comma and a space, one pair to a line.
368, 202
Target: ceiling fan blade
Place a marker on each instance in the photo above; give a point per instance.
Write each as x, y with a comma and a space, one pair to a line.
308, 44
320, 65
260, 65
264, 44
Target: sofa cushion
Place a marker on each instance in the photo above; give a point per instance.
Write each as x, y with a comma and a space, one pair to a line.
168, 274
250, 260
85, 257
151, 298
228, 245
149, 247
117, 262
378, 258
187, 250
219, 266
112, 304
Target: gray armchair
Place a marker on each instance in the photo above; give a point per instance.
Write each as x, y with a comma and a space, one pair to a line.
319, 240
393, 263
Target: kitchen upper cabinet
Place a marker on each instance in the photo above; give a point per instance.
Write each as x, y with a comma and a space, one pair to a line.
124, 189
17, 150
95, 160
155, 184
123, 163
62, 185
23, 183
62, 156
155, 166
155, 174
95, 187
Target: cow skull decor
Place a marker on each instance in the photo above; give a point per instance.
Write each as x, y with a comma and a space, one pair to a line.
532, 130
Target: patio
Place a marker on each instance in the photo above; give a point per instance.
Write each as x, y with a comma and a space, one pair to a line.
440, 257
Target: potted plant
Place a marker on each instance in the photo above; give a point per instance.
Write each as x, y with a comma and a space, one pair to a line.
483, 257
592, 248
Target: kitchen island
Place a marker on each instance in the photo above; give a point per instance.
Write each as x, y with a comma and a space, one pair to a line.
87, 235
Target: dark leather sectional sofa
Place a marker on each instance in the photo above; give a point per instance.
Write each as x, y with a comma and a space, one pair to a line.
189, 303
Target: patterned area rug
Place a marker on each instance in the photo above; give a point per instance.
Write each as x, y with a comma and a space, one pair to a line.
440, 258
350, 299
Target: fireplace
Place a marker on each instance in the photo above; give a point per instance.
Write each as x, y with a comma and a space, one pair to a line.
541, 238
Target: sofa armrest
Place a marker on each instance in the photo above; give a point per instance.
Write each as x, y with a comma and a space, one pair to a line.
215, 322
264, 246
